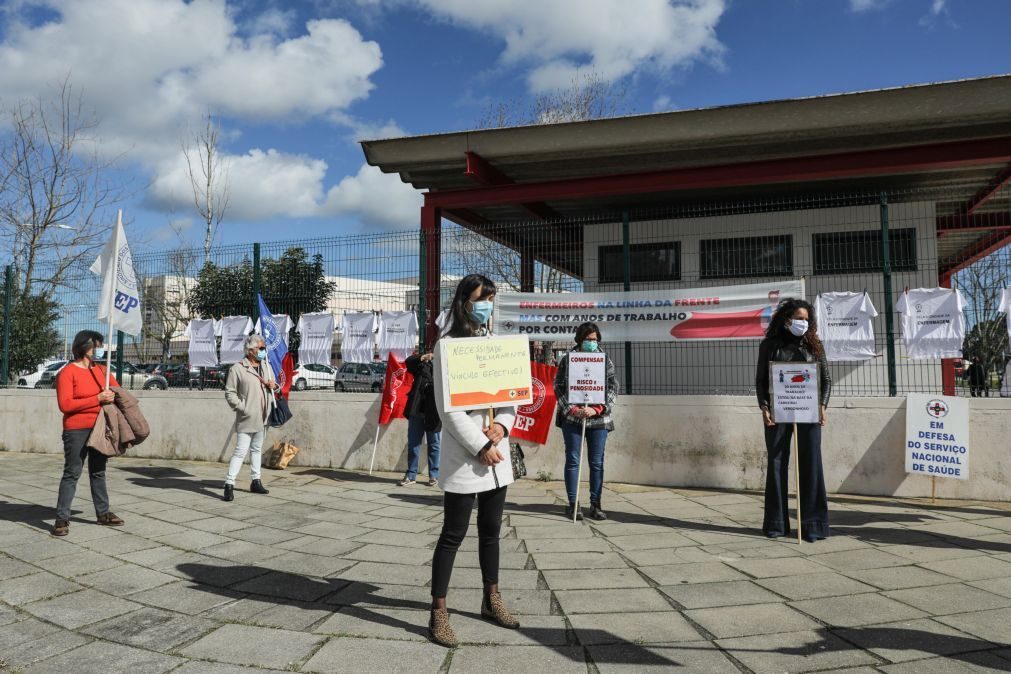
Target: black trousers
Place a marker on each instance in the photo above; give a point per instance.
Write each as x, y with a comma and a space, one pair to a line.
75, 451
455, 522
813, 499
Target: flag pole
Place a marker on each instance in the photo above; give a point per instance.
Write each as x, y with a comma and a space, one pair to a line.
112, 295
579, 469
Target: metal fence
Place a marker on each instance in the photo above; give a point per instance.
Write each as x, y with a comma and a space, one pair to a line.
878, 242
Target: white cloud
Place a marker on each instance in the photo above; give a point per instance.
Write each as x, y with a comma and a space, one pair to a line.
151, 68
560, 39
383, 200
868, 5
662, 104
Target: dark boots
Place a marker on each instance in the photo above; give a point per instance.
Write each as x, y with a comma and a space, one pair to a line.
569, 511
229, 493
596, 513
257, 488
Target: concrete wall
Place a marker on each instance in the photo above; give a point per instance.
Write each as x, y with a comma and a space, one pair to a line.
664, 440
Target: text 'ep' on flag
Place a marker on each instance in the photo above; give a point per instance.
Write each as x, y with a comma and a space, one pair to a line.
277, 347
396, 385
120, 294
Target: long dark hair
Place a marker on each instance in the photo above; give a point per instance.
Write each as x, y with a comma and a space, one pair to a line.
460, 323
784, 312
585, 330
84, 341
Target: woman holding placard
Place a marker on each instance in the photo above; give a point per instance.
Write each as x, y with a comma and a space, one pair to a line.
570, 418
475, 467
792, 336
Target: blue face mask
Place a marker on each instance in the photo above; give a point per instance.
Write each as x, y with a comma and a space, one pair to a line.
589, 346
261, 354
481, 312
98, 354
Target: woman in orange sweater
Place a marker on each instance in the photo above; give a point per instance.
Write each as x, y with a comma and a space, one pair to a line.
81, 392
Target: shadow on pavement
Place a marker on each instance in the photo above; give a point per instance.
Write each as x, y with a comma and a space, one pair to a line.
158, 477
345, 596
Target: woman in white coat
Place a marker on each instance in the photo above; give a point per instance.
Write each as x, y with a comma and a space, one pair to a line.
475, 466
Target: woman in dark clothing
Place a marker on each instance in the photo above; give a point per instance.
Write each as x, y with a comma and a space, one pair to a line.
793, 336
422, 420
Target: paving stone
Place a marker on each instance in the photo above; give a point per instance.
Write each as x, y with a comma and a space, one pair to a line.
814, 585
306, 564
519, 602
80, 608
257, 646
956, 529
396, 538
1001, 586
708, 595
912, 640
152, 629
391, 554
393, 596
707, 572
936, 551
120, 544
290, 615
95, 658
953, 664
735, 621
517, 659
185, 597
290, 586
860, 609
126, 579
203, 667
331, 530
402, 526
796, 652
192, 540
389, 574
588, 579
666, 557
80, 563
507, 560
464, 577
40, 549
611, 601
314, 545
13, 568
26, 589
363, 655
899, 578
263, 535
775, 568
696, 656
217, 525
651, 541
971, 568
638, 628
952, 598
562, 531
989, 625
241, 551
28, 653
23, 631
578, 560
568, 545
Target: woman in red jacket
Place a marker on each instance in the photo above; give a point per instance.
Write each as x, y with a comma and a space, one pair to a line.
81, 392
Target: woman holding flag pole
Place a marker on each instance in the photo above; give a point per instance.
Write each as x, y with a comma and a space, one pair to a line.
475, 467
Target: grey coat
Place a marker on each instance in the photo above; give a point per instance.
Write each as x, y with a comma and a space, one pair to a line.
248, 397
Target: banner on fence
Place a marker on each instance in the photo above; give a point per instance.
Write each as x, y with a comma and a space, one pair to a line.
937, 435
483, 372
723, 312
533, 421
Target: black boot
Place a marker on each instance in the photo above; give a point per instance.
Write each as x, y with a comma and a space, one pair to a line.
569, 509
596, 513
258, 488
229, 493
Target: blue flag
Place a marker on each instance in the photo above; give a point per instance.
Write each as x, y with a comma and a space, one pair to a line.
277, 347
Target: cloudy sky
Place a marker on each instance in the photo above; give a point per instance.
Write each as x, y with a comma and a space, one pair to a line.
296, 84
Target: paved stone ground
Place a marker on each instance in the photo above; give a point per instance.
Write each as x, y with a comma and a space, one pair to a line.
329, 573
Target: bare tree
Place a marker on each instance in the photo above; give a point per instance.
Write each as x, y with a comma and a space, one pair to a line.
166, 299
589, 96
208, 173
981, 285
55, 194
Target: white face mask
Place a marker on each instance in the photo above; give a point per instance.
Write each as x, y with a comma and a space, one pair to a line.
798, 327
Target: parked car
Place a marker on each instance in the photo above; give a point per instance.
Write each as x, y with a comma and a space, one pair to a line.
360, 377
211, 377
177, 375
29, 380
132, 378
313, 375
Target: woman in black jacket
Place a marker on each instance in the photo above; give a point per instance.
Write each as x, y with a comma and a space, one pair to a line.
792, 336
422, 420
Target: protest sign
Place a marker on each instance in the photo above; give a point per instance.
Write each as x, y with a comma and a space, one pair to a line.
794, 393
937, 436
484, 372
587, 378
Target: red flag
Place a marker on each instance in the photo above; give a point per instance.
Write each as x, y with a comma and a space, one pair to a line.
287, 374
396, 385
533, 421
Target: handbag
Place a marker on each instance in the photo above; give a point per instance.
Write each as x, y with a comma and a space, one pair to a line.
517, 458
280, 414
281, 455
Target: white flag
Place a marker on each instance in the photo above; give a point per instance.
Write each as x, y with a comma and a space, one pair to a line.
119, 284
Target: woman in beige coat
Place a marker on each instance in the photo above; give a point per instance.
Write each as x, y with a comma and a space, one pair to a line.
249, 391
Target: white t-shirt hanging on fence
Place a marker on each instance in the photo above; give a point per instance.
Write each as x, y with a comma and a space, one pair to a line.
358, 337
316, 330
203, 350
284, 326
932, 323
845, 325
1005, 306
233, 331
398, 334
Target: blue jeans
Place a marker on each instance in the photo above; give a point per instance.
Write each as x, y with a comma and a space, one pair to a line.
415, 432
596, 438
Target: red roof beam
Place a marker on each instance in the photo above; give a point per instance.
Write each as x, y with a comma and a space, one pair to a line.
987, 192
938, 156
979, 222
975, 253
482, 172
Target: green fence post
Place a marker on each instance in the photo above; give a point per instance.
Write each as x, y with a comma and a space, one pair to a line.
256, 281
886, 271
5, 366
422, 285
626, 259
119, 357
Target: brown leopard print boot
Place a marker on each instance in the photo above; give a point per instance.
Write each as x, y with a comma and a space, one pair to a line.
440, 630
494, 609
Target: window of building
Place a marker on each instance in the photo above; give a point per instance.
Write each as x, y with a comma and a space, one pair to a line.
852, 252
747, 257
648, 262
